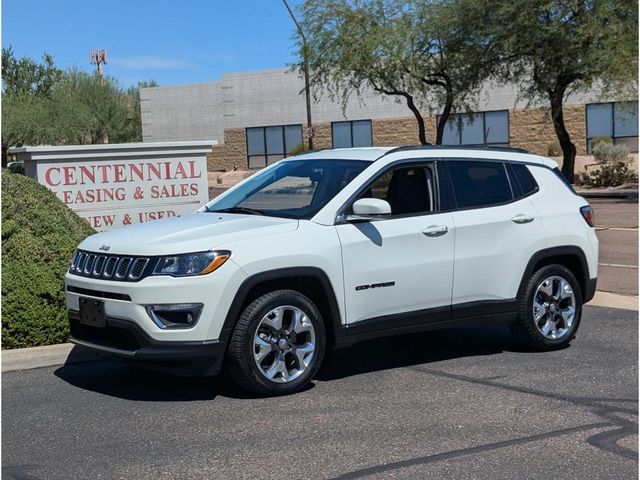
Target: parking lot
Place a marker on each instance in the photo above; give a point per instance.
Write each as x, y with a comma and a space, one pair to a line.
462, 403
459, 403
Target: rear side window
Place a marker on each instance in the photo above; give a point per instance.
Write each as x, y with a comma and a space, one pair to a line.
479, 183
524, 182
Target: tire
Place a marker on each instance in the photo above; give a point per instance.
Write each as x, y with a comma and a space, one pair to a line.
549, 324
269, 361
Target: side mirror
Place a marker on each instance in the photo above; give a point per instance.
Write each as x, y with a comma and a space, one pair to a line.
369, 209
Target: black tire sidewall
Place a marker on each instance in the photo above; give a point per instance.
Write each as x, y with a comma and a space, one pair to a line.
256, 311
526, 322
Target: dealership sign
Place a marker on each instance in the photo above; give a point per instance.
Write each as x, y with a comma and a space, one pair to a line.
116, 185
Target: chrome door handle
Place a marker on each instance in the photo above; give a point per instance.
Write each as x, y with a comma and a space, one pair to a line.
522, 218
435, 230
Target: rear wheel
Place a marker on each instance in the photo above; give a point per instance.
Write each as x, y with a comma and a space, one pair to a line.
278, 344
550, 308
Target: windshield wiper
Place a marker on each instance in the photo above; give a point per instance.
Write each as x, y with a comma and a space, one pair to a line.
249, 211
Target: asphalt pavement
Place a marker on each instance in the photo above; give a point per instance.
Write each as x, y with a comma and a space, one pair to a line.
461, 403
617, 230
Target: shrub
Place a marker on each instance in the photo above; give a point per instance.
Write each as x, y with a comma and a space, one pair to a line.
39, 236
299, 149
609, 153
613, 166
554, 150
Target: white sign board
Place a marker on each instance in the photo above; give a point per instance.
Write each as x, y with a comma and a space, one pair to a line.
112, 186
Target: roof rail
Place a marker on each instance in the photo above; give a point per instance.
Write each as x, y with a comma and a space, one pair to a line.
454, 147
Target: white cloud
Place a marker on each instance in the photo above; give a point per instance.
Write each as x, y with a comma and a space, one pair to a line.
151, 63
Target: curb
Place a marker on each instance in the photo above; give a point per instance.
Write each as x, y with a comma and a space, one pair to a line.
47, 356
69, 354
614, 300
629, 195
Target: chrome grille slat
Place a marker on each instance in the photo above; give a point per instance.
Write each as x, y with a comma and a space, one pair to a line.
88, 266
99, 265
123, 267
109, 267
137, 268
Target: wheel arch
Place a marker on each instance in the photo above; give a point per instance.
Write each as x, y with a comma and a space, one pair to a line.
570, 256
310, 281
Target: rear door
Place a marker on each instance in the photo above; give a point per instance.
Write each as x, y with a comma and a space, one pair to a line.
497, 231
402, 264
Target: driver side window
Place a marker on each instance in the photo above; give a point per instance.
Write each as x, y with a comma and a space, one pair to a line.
408, 189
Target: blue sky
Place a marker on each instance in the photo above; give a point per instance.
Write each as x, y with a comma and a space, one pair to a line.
172, 42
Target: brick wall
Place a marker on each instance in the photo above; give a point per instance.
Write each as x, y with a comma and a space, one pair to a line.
230, 154
528, 128
532, 129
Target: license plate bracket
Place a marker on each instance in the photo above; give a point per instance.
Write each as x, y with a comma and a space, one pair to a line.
92, 312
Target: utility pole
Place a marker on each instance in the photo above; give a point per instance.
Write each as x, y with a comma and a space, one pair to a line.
98, 57
305, 62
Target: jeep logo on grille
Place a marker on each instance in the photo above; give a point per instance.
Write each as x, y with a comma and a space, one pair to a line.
104, 248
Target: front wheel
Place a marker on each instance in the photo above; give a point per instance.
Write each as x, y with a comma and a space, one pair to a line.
550, 309
278, 344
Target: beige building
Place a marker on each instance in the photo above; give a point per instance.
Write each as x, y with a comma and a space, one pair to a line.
259, 117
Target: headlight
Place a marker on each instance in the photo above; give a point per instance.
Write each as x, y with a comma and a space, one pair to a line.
191, 264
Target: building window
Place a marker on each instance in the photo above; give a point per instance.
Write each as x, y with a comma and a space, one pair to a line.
351, 134
617, 121
266, 145
484, 128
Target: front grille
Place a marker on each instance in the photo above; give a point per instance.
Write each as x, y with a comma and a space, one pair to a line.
110, 267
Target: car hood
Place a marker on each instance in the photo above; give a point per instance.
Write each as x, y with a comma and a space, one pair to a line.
196, 232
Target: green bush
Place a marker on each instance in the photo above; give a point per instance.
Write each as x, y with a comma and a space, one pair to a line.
39, 236
554, 150
613, 168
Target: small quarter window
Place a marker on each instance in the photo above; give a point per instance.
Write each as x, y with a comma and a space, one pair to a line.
479, 183
524, 179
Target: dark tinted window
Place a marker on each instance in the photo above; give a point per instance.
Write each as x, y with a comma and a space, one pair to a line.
479, 183
291, 189
524, 179
409, 190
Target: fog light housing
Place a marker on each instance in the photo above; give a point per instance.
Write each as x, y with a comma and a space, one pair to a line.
176, 315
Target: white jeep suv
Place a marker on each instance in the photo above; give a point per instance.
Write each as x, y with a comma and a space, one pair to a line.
331, 247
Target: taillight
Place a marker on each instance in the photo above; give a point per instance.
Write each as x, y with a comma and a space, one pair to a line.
587, 214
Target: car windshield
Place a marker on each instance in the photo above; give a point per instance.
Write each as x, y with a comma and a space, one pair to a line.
290, 189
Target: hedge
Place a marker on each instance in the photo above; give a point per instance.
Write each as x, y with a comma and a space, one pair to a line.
39, 236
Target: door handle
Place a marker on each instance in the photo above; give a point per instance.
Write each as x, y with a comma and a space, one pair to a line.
435, 230
522, 218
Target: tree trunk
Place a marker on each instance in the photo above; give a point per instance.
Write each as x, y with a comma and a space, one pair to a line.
568, 148
444, 117
5, 155
422, 135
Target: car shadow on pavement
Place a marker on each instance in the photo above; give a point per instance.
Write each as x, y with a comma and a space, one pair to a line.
118, 379
417, 349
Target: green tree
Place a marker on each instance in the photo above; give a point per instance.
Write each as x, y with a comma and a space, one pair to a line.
27, 109
423, 52
552, 48
135, 112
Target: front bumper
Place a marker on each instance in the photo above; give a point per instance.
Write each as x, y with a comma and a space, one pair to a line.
125, 340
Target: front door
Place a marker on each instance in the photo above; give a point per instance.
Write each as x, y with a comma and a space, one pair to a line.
403, 264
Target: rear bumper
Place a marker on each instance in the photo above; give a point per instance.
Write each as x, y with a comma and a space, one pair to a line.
590, 289
125, 340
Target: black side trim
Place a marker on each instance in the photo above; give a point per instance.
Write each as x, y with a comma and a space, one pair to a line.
295, 272
99, 294
399, 320
587, 285
483, 307
489, 311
